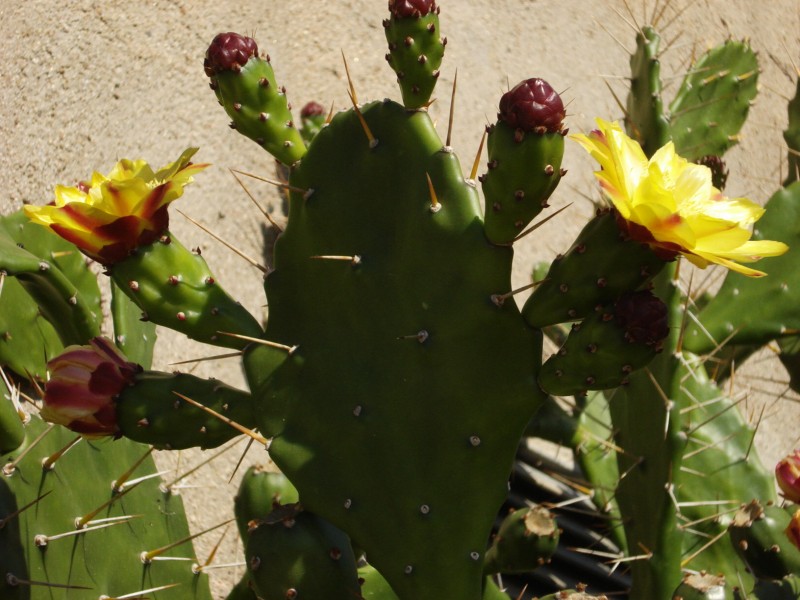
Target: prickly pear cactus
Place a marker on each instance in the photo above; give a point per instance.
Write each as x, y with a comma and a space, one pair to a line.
391, 318
76, 516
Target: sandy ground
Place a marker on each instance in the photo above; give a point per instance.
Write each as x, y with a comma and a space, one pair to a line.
87, 82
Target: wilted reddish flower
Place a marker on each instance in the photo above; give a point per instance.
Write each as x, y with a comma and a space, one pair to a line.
793, 530
787, 472
84, 383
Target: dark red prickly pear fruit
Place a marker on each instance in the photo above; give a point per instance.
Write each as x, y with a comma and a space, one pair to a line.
411, 8
533, 105
312, 109
228, 52
643, 316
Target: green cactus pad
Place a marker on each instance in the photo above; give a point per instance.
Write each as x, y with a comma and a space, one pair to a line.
719, 464
415, 54
600, 265
12, 432
393, 349
175, 288
294, 554
713, 101
99, 561
242, 590
527, 539
72, 311
524, 170
258, 109
599, 354
787, 588
134, 337
645, 120
27, 339
792, 137
731, 316
757, 534
151, 412
259, 493
373, 585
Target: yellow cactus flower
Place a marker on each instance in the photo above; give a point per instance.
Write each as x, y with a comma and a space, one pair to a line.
671, 205
110, 216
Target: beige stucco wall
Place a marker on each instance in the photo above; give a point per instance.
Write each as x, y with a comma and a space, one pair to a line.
85, 82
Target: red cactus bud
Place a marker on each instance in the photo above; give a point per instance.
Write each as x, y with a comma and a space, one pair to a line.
228, 52
793, 530
787, 473
84, 382
643, 316
533, 105
411, 8
312, 109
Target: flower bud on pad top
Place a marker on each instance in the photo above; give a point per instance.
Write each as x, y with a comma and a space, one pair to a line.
246, 88
525, 147
533, 105
229, 52
415, 48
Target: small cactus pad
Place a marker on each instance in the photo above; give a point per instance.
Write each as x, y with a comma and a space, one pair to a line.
792, 136
400, 351
713, 101
787, 588
527, 539
54, 284
601, 264
294, 554
602, 351
151, 411
757, 534
176, 289
260, 492
312, 119
246, 88
525, 149
644, 116
415, 48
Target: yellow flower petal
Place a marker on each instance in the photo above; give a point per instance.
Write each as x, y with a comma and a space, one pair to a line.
111, 215
672, 203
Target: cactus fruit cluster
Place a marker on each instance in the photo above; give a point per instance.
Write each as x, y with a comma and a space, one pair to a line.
396, 374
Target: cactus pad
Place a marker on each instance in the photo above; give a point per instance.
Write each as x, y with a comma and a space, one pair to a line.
400, 350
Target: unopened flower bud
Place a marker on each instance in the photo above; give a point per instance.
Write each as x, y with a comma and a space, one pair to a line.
787, 473
533, 105
83, 386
